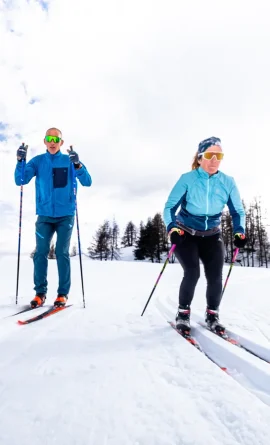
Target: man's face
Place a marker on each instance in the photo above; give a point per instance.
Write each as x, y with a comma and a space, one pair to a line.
53, 146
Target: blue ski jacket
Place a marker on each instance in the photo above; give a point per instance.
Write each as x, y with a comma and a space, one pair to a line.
54, 183
202, 198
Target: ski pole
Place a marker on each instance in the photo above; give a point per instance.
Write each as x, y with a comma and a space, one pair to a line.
78, 228
162, 270
20, 223
231, 266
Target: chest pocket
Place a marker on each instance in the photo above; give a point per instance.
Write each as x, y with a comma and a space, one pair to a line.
60, 177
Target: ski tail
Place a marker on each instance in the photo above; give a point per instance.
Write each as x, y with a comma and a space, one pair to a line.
189, 337
52, 310
26, 308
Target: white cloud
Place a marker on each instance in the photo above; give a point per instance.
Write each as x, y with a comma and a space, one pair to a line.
135, 86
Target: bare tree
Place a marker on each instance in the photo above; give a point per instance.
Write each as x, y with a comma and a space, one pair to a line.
262, 238
105, 242
114, 236
227, 234
100, 247
73, 251
130, 235
160, 236
257, 247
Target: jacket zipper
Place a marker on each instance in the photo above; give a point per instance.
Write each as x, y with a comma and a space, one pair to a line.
207, 204
53, 197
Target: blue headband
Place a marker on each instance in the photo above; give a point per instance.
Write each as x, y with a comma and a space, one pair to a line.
208, 143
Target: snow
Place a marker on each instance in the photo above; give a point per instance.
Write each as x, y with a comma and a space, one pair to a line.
104, 375
127, 253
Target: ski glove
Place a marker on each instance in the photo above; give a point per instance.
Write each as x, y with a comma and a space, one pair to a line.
74, 158
240, 240
176, 236
21, 152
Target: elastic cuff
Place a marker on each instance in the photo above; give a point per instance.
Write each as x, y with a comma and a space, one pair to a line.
175, 229
80, 170
171, 226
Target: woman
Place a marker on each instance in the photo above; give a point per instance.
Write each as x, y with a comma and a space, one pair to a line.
202, 194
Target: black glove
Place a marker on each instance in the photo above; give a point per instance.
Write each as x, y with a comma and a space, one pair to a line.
21, 152
74, 157
176, 236
240, 240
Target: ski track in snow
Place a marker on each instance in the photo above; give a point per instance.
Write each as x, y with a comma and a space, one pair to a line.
110, 371
248, 370
106, 376
262, 324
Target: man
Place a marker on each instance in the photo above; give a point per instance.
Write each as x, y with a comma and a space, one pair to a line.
55, 207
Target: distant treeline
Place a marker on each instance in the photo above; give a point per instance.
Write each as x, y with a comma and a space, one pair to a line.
150, 240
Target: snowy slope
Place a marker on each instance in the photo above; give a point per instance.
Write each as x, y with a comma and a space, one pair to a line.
104, 375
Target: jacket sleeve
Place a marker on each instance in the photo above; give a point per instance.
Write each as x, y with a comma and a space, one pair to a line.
173, 202
83, 176
236, 209
29, 172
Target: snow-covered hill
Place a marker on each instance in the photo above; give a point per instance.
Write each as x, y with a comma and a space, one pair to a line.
104, 375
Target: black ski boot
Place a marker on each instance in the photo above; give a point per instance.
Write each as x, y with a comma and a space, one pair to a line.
212, 321
182, 319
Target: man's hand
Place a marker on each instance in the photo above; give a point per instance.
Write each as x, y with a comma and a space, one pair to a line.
74, 158
22, 152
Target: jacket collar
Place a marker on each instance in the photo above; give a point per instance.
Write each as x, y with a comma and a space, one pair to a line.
56, 155
205, 175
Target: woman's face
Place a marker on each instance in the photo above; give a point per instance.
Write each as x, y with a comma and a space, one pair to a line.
211, 165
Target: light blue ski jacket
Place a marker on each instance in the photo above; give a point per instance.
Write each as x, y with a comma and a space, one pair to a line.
202, 198
54, 183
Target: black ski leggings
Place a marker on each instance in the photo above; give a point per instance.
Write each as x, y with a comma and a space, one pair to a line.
210, 250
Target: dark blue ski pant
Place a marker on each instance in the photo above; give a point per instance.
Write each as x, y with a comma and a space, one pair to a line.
46, 227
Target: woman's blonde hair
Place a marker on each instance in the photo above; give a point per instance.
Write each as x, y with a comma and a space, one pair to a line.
195, 163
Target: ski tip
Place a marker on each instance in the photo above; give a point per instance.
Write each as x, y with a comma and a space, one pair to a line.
21, 322
224, 369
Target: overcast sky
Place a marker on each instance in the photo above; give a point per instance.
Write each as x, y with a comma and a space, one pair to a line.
134, 86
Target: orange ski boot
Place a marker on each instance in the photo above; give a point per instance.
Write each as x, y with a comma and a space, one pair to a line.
38, 301
60, 300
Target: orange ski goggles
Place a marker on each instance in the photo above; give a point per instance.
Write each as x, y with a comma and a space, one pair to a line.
208, 155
